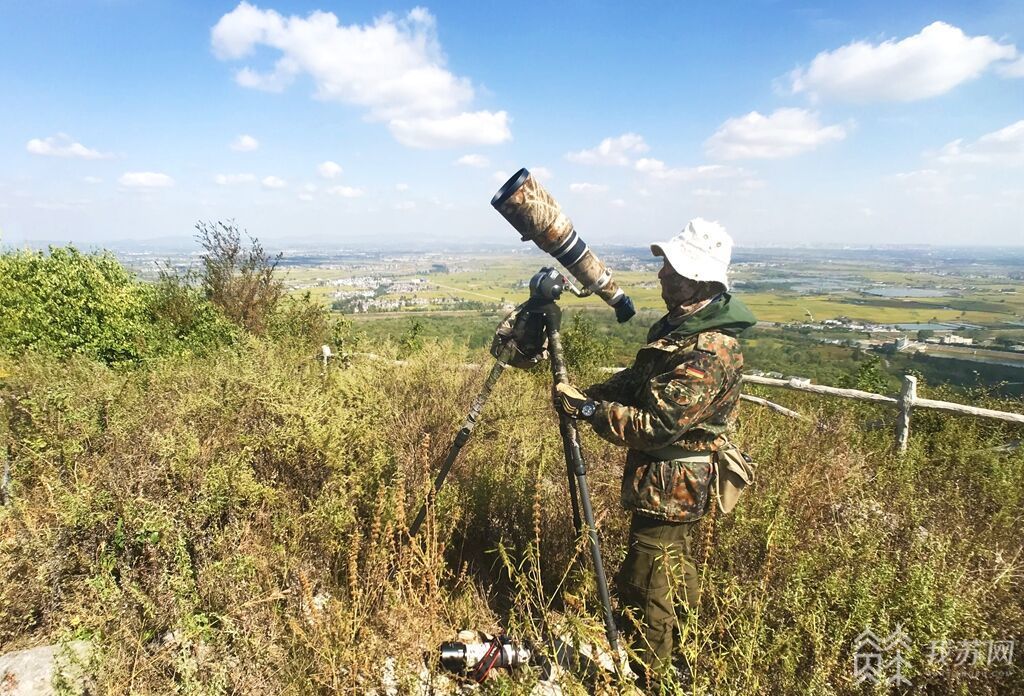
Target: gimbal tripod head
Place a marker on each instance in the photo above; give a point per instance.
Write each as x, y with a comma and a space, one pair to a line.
547, 285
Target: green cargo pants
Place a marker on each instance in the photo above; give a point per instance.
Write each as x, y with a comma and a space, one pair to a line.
657, 575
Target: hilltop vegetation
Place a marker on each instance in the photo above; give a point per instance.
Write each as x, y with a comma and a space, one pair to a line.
218, 513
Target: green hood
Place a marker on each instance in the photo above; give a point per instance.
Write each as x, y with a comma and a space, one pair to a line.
726, 314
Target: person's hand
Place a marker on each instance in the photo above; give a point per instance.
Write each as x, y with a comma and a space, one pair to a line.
572, 402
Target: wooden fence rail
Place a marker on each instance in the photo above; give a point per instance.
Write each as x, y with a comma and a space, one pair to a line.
905, 402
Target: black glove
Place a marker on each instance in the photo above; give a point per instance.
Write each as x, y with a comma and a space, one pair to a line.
572, 402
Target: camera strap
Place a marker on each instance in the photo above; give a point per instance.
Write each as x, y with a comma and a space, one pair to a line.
482, 668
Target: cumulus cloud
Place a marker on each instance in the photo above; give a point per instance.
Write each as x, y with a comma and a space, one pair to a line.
588, 188
230, 179
145, 180
1014, 69
63, 145
346, 191
329, 169
244, 143
612, 151
394, 68
1004, 146
924, 65
783, 133
478, 161
274, 182
467, 128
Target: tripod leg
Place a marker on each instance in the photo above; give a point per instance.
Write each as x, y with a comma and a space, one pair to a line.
578, 475
465, 431
574, 497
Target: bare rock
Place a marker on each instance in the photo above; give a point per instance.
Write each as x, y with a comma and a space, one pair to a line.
45, 670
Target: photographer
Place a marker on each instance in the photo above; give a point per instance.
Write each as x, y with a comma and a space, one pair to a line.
673, 408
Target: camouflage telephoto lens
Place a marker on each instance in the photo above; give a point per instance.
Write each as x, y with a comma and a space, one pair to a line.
537, 217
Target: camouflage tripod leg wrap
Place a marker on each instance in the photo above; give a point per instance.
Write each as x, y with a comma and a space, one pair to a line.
464, 432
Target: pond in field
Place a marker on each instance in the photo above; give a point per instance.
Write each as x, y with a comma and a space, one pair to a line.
906, 292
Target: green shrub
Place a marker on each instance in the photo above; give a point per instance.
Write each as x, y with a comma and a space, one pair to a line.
69, 302
66, 302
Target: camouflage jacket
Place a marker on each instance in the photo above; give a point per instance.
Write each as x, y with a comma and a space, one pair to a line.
678, 398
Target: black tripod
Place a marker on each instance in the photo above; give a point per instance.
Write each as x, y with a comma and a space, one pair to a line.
541, 315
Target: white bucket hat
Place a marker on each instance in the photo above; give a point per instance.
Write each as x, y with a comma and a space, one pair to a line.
701, 251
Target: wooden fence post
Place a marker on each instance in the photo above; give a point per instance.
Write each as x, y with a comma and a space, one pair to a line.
908, 395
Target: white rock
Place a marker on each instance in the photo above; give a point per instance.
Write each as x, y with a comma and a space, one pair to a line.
31, 672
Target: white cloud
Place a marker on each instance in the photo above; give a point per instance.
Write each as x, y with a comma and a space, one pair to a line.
145, 180
618, 203
274, 182
401, 188
230, 179
467, 128
707, 193
1014, 69
393, 67
92, 180
329, 169
784, 133
346, 191
473, 161
927, 64
244, 143
614, 151
62, 145
542, 173
587, 188
1004, 146
405, 205
928, 181
656, 169
305, 197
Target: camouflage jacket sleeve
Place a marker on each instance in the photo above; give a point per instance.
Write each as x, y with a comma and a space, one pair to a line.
618, 387
668, 405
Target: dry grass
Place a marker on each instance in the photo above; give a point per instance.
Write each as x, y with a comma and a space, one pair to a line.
232, 524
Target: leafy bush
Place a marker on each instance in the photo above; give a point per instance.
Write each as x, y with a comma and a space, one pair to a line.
69, 302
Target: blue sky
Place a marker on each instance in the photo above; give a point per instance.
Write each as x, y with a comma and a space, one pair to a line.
382, 124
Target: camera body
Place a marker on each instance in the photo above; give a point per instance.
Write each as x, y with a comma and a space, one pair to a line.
476, 655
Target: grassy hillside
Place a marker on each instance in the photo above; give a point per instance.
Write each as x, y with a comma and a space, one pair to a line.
228, 520
227, 523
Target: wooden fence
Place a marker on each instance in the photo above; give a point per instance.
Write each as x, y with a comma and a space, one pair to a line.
906, 402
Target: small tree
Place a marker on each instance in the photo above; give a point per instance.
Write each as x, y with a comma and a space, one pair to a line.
585, 351
237, 278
